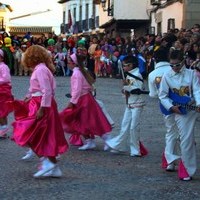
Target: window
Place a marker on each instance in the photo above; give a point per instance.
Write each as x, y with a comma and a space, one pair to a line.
2, 24
80, 13
87, 11
74, 14
64, 15
86, 16
171, 23
159, 28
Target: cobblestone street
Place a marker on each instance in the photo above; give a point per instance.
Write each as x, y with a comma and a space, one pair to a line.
97, 175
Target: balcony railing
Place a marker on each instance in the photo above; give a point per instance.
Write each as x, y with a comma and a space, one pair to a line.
83, 25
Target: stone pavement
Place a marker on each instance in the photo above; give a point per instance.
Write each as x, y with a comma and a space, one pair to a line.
97, 175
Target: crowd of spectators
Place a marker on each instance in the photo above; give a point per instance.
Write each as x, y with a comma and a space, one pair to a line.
104, 53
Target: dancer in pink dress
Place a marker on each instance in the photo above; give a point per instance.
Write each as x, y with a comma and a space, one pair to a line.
83, 115
37, 123
5, 95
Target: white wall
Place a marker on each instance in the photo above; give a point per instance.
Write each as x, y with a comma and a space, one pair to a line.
173, 11
130, 9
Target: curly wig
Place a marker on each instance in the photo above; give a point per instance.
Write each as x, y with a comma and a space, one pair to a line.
37, 54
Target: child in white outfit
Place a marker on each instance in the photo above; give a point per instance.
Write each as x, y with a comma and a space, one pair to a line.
128, 139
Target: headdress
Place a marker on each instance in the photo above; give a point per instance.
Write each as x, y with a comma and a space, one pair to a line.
71, 41
74, 58
81, 42
8, 42
50, 42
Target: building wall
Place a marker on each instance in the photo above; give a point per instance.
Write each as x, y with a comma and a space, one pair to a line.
103, 16
162, 15
131, 9
75, 4
70, 5
191, 10
4, 19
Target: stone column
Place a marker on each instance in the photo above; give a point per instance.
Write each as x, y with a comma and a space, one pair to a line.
191, 13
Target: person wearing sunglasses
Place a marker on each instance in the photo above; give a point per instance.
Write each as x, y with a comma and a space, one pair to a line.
169, 155
182, 83
128, 139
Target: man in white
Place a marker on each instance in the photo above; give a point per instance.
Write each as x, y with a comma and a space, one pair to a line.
154, 79
184, 83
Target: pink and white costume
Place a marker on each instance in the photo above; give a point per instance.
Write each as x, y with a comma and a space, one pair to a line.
86, 116
5, 90
44, 136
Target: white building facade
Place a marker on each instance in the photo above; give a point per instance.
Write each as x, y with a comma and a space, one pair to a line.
125, 16
173, 14
117, 17
79, 16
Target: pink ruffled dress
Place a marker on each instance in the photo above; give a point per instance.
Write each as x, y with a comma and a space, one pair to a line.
5, 90
44, 136
86, 117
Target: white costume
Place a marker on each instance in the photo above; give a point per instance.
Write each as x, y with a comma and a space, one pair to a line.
171, 136
184, 83
128, 139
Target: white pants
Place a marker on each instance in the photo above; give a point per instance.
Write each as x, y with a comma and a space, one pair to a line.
185, 125
128, 138
170, 138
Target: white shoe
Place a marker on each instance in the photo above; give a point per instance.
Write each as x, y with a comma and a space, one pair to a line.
106, 147
89, 144
3, 132
58, 157
46, 166
29, 155
105, 138
170, 167
114, 151
55, 172
187, 178
135, 155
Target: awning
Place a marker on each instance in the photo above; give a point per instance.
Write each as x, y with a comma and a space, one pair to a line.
63, 1
32, 29
125, 23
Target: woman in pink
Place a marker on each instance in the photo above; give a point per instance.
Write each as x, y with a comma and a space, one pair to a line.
37, 123
5, 95
83, 116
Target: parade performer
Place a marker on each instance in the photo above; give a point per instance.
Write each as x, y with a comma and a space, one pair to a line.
171, 136
83, 115
8, 49
37, 123
5, 95
128, 139
180, 85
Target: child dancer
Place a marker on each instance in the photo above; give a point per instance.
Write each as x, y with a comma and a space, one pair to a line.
129, 138
169, 155
183, 84
83, 115
5, 95
37, 123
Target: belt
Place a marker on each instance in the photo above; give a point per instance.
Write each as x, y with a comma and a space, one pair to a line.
36, 94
